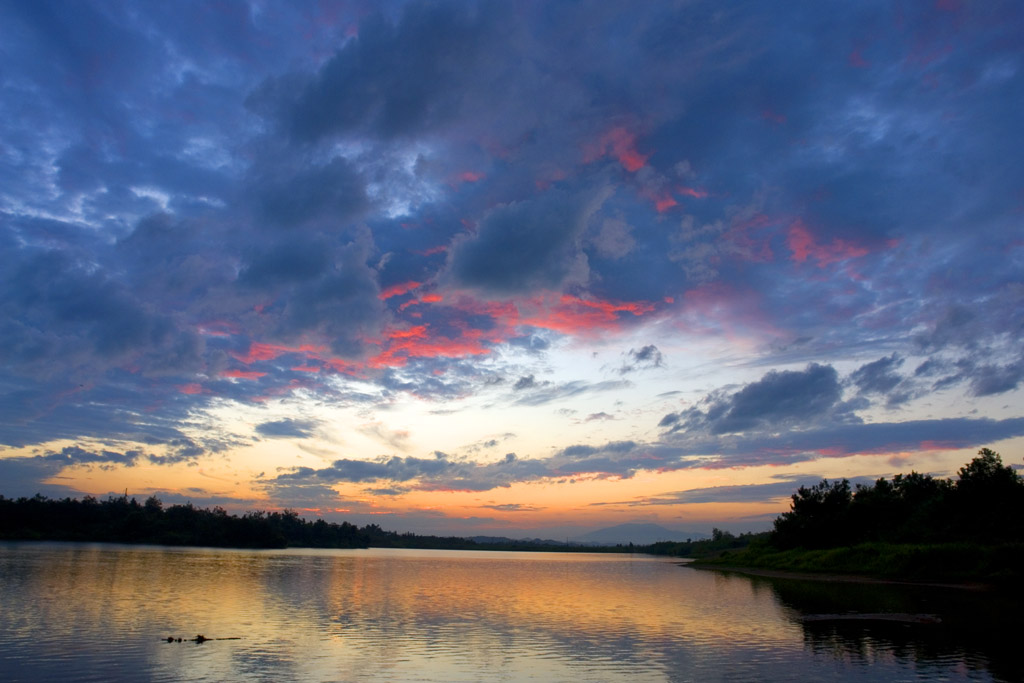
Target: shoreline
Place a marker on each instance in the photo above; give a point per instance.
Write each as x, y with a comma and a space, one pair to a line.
835, 578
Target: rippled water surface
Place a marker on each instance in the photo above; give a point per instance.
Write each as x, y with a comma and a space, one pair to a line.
104, 612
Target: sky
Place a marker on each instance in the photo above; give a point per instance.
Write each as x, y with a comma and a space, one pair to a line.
507, 267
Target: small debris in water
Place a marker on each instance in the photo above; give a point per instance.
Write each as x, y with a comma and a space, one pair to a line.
882, 616
200, 638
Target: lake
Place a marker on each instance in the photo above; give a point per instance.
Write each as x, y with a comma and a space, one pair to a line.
104, 612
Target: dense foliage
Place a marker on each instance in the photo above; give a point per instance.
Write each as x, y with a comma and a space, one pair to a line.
120, 520
914, 527
985, 504
720, 541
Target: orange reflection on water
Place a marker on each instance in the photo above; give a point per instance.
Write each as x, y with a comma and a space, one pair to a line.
390, 614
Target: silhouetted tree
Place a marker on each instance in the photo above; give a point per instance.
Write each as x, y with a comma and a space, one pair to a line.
818, 517
989, 498
121, 520
985, 504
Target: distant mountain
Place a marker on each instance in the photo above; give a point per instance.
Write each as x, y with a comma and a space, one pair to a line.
638, 534
490, 540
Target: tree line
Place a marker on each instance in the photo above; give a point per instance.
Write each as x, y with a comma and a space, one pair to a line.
984, 504
122, 520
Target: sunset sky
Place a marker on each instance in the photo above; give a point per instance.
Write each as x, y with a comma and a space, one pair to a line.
507, 267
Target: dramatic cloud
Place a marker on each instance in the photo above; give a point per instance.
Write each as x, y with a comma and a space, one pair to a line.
646, 357
744, 493
301, 248
526, 246
781, 400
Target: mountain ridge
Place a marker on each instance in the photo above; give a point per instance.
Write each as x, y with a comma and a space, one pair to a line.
637, 533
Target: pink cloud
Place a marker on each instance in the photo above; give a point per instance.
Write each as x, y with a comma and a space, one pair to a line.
261, 351
664, 203
218, 328
399, 289
752, 238
574, 315
549, 177
243, 374
564, 313
803, 245
696, 193
720, 309
417, 342
425, 299
857, 60
621, 143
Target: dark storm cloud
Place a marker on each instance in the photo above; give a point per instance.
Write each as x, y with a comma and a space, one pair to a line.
341, 305
286, 428
36, 411
956, 327
290, 193
646, 357
60, 308
989, 380
437, 473
75, 455
840, 440
401, 78
285, 263
879, 376
387, 491
25, 476
781, 399
524, 382
974, 370
389, 469
525, 246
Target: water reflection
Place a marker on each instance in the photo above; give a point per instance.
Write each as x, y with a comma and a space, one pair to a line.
99, 612
933, 629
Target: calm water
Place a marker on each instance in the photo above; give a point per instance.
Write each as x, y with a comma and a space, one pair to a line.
103, 612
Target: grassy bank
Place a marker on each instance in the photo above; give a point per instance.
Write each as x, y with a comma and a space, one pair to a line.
945, 562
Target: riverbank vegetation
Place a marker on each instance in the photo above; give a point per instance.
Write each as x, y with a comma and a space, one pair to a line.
122, 520
914, 527
719, 543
